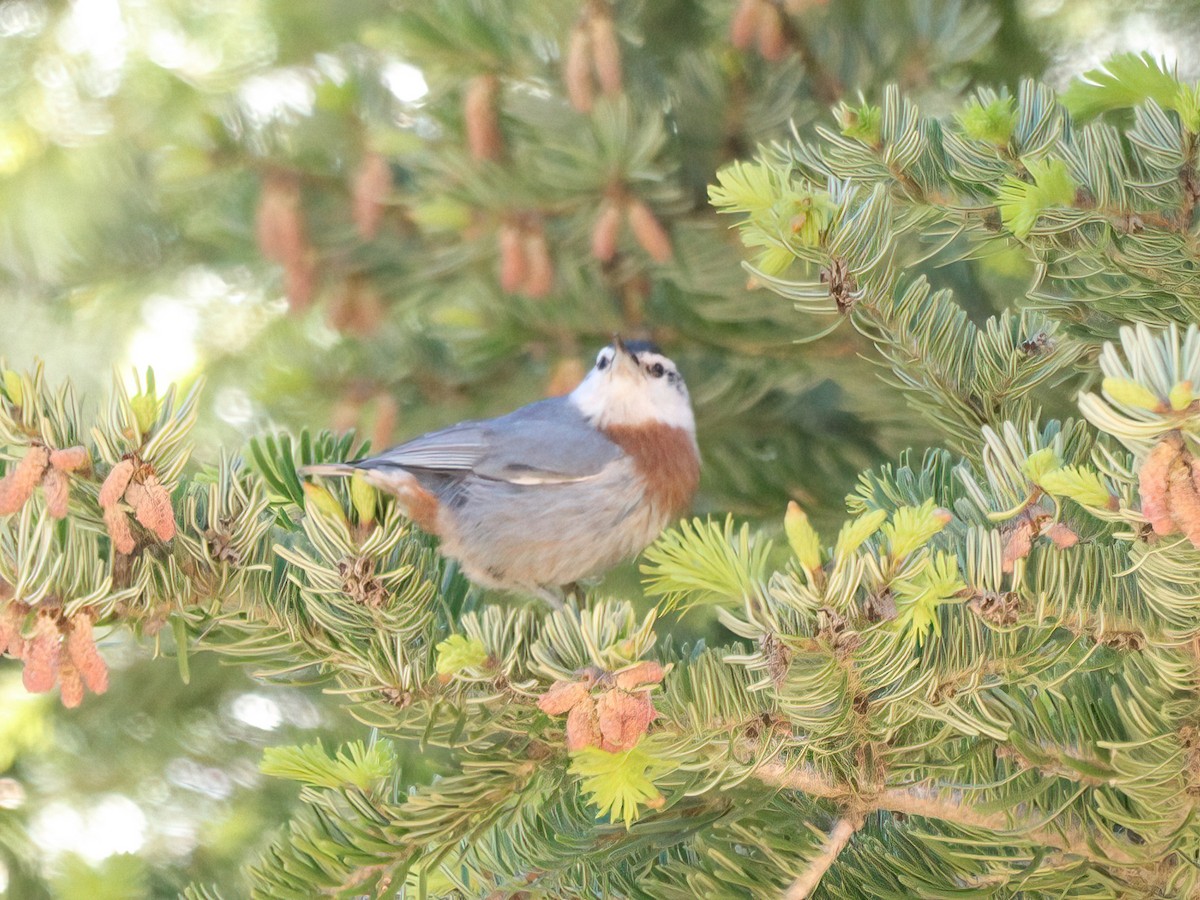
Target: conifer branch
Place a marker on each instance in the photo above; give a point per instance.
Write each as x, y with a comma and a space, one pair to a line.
953, 808
985, 679
839, 836
826, 87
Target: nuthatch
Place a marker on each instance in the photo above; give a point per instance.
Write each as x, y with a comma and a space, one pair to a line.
559, 490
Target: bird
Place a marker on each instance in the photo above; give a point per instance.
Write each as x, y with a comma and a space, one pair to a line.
556, 492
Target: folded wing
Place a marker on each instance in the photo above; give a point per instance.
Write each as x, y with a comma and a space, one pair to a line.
549, 442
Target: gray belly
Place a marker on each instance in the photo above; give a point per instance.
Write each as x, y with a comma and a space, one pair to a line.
529, 537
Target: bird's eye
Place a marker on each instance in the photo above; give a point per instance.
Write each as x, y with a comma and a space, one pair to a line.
656, 370
602, 363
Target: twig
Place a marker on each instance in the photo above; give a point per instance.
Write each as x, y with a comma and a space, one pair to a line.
826, 87
947, 806
839, 836
1191, 188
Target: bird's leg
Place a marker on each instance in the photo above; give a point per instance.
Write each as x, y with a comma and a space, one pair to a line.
550, 595
471, 598
574, 591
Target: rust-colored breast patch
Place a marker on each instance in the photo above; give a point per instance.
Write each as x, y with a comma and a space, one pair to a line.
666, 458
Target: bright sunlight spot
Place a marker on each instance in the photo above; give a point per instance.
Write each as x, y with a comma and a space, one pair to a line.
405, 82
258, 711
114, 825
167, 342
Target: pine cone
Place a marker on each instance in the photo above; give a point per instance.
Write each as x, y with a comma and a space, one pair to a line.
113, 488
482, 119
606, 53
1152, 484
577, 69
606, 231
372, 185
649, 232
57, 487
17, 486
83, 654
152, 505
70, 459
743, 28
41, 655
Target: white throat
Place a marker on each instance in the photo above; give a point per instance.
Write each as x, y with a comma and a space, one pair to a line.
615, 399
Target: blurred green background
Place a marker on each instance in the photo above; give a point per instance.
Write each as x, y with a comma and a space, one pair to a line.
136, 138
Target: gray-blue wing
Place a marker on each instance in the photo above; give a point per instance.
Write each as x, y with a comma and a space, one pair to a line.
544, 443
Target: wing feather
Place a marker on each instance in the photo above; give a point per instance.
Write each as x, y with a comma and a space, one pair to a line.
545, 443
459, 447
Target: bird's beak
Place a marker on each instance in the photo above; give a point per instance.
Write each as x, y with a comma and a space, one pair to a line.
623, 359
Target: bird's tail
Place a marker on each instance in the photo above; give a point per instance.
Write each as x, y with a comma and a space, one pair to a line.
329, 469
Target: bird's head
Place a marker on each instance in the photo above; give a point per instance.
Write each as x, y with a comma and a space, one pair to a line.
632, 383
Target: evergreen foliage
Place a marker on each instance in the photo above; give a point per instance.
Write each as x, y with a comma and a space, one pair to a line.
983, 684
337, 158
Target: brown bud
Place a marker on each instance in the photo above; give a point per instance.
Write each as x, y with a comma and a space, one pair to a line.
565, 376
345, 413
340, 312
135, 494
12, 616
86, 659
649, 232
577, 69
623, 718
7, 632
606, 231
71, 690
368, 311
355, 307
386, 412
114, 485
1183, 499
482, 119
606, 53
41, 655
268, 219
583, 728
772, 37
743, 29
300, 281
372, 185
540, 280
562, 696
17, 486
514, 265
1152, 484
639, 675
282, 236
1018, 544
152, 505
117, 524
1062, 536
57, 488
70, 459
279, 221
